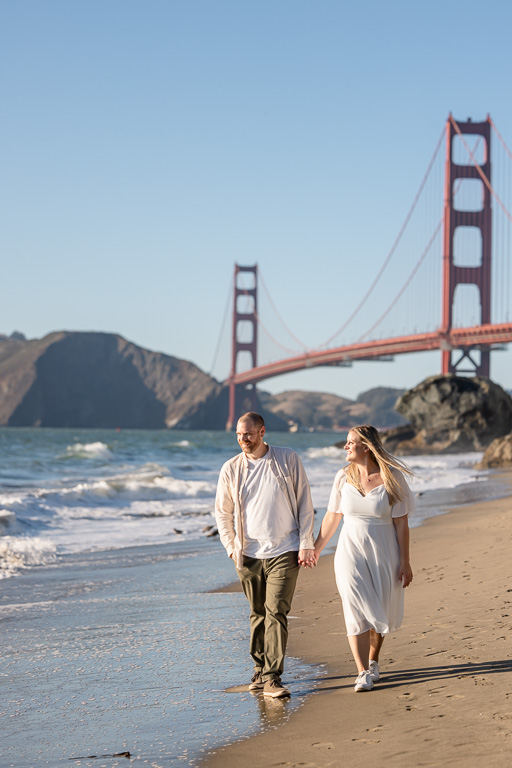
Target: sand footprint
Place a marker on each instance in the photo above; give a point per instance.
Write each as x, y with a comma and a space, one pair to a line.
296, 765
482, 681
368, 741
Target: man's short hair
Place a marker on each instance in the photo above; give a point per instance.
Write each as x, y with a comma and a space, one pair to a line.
256, 418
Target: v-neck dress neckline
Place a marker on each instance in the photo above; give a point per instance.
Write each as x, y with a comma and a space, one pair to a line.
364, 495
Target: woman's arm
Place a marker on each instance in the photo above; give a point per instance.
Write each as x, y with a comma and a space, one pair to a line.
329, 525
402, 534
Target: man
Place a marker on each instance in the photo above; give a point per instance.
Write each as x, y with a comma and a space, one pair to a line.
265, 519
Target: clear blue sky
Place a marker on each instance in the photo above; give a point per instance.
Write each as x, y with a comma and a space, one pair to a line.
148, 146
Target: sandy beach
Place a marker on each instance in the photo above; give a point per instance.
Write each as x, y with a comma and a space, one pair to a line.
445, 694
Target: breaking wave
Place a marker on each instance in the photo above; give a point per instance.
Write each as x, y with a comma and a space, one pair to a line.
21, 552
96, 450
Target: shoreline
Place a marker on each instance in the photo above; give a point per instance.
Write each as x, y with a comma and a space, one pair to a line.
132, 649
445, 695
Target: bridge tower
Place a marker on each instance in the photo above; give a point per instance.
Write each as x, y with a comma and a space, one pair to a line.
237, 345
455, 273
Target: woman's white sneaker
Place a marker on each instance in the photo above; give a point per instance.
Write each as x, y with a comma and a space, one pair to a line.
364, 681
374, 671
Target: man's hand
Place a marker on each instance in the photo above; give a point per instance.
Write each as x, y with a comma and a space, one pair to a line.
307, 558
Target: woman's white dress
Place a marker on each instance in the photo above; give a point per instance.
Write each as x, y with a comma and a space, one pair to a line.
367, 559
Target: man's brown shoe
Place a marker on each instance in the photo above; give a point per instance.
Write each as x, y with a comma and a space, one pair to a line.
275, 689
256, 682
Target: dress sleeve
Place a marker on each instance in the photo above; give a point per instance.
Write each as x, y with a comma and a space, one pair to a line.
334, 504
408, 504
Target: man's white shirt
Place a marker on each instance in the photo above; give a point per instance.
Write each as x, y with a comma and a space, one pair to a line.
270, 528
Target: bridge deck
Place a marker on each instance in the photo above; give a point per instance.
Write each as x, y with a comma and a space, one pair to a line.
477, 337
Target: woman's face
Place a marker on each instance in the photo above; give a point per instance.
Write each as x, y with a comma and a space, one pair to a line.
354, 448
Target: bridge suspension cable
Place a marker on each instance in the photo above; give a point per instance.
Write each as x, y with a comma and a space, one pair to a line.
498, 134
272, 304
393, 248
417, 265
264, 328
271, 337
405, 285
221, 334
503, 236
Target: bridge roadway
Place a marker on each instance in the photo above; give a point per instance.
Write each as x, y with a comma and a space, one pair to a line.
480, 336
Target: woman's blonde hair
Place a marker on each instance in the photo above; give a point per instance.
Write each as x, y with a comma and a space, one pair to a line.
370, 438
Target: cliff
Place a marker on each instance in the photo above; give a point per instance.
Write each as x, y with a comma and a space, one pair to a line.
101, 380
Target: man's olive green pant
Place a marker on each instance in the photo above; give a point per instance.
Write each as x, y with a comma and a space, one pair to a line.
269, 586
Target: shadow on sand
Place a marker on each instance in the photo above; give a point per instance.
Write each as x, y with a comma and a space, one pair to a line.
427, 674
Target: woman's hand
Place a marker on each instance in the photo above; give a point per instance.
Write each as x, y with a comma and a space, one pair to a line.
405, 574
306, 558
402, 534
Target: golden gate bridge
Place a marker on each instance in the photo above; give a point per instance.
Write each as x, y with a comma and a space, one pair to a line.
469, 245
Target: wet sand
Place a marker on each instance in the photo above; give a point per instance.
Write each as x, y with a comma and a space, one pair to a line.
126, 651
445, 694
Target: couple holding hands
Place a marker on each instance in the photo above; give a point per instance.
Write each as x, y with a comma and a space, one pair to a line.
265, 518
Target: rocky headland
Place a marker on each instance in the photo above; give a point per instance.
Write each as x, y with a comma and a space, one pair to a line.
71, 379
325, 411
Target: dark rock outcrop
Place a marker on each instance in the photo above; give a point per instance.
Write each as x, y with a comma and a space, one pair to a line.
498, 453
394, 439
451, 414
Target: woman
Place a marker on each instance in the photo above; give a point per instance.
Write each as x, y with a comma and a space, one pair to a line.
372, 558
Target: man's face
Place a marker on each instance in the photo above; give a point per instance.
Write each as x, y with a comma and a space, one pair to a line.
249, 436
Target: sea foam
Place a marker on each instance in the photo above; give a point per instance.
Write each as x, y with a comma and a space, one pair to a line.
122, 489
21, 552
96, 450
330, 452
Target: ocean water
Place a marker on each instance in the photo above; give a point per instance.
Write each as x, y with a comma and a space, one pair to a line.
70, 491
107, 605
